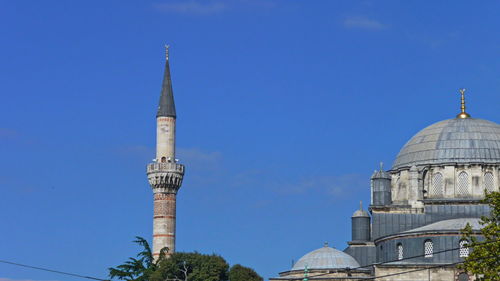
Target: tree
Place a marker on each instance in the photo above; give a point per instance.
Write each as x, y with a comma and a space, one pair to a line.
141, 268
191, 267
241, 273
483, 261
179, 267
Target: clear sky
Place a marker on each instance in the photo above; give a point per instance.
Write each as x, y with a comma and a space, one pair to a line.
284, 109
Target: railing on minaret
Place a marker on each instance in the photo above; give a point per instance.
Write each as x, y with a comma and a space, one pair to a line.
165, 174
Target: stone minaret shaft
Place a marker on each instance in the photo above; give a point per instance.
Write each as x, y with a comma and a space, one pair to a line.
165, 174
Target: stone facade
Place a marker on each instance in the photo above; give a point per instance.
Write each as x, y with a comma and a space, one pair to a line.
392, 273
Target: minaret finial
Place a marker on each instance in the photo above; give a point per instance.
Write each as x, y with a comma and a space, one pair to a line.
166, 51
463, 114
361, 205
381, 166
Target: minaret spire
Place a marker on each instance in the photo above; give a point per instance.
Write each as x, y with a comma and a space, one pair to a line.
166, 107
463, 114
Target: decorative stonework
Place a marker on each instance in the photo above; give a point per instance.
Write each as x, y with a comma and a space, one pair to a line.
165, 177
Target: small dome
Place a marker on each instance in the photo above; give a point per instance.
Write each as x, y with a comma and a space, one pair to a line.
360, 212
463, 141
380, 174
325, 258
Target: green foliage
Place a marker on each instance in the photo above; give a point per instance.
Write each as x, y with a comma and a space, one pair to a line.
191, 267
241, 273
484, 259
179, 267
140, 268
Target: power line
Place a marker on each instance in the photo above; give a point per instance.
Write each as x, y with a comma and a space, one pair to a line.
52, 270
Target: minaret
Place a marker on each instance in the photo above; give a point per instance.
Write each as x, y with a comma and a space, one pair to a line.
165, 174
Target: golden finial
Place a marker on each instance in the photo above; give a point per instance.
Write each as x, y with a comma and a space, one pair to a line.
166, 51
463, 114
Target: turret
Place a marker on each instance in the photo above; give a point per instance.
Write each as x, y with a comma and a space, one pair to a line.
360, 225
165, 174
381, 187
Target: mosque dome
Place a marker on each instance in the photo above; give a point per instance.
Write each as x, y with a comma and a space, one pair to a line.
325, 258
459, 140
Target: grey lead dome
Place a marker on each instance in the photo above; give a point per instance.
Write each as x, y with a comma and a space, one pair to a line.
326, 258
463, 141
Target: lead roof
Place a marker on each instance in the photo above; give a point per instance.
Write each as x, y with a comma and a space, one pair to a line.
166, 107
456, 140
326, 258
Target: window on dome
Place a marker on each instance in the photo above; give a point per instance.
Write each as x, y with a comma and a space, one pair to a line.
428, 249
400, 251
488, 182
437, 185
464, 250
463, 184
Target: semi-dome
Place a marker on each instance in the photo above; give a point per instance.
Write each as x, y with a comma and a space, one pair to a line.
326, 258
449, 225
459, 140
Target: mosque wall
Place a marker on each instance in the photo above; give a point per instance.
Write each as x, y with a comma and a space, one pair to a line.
414, 246
391, 222
364, 254
435, 274
443, 182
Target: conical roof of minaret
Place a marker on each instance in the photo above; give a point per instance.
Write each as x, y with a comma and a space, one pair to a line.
166, 107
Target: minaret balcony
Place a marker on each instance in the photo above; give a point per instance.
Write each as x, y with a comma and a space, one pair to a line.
165, 167
165, 177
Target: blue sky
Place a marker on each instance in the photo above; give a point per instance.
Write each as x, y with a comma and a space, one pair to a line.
284, 108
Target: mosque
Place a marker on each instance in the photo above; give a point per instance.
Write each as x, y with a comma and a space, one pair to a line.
417, 209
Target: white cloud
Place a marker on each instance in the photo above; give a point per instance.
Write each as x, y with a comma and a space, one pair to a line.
192, 7
197, 158
7, 134
336, 186
141, 152
363, 23
210, 7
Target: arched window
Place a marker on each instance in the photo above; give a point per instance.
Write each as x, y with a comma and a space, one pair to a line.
164, 159
428, 249
437, 185
463, 184
488, 182
464, 250
400, 251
